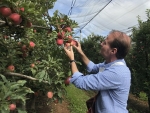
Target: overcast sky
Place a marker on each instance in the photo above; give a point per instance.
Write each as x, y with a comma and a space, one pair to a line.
101, 16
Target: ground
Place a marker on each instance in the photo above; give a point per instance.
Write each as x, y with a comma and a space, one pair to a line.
139, 105
41, 106
61, 107
133, 102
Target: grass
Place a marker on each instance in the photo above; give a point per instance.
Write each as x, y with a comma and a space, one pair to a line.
77, 98
143, 96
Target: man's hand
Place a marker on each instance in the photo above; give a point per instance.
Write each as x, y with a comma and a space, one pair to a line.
78, 47
69, 52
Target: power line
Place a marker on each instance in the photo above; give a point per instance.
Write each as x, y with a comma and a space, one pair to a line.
72, 5
94, 16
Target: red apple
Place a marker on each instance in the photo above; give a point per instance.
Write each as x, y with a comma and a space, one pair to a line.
12, 107
67, 80
59, 41
73, 42
67, 44
5, 11
22, 9
32, 44
69, 38
49, 94
11, 68
32, 65
24, 54
34, 31
16, 18
28, 24
5, 37
68, 29
24, 48
61, 34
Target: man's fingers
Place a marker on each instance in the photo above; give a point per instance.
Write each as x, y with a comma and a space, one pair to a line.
71, 48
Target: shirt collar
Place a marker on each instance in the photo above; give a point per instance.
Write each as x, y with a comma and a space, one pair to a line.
111, 63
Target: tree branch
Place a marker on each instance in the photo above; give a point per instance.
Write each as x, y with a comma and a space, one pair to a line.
33, 26
23, 76
2, 23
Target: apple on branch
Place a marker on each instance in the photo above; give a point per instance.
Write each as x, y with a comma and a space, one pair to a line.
67, 80
32, 65
61, 34
59, 41
67, 29
11, 68
28, 24
34, 31
24, 48
12, 107
5, 37
22, 9
67, 44
15, 18
69, 38
50, 94
5, 11
73, 42
31, 44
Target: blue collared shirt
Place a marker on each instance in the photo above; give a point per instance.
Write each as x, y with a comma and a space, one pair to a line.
113, 83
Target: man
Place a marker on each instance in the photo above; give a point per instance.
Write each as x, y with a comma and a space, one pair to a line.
111, 78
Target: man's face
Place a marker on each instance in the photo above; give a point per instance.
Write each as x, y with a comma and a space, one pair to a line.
105, 47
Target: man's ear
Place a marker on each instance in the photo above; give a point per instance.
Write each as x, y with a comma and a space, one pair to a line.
114, 51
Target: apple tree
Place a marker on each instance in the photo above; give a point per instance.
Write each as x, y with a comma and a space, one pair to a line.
139, 58
32, 59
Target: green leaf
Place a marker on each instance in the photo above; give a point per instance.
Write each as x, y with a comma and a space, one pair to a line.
21, 111
59, 94
40, 75
33, 71
7, 94
21, 82
69, 73
4, 78
45, 61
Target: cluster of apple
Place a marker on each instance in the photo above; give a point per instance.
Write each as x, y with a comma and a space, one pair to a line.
66, 40
24, 49
14, 17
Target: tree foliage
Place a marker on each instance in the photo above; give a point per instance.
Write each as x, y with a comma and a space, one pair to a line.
138, 59
31, 61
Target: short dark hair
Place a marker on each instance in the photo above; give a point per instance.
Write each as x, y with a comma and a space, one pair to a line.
122, 42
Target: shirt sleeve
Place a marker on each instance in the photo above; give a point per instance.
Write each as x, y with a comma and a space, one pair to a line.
101, 81
93, 68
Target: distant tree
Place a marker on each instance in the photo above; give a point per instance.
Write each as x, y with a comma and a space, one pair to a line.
91, 47
139, 58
